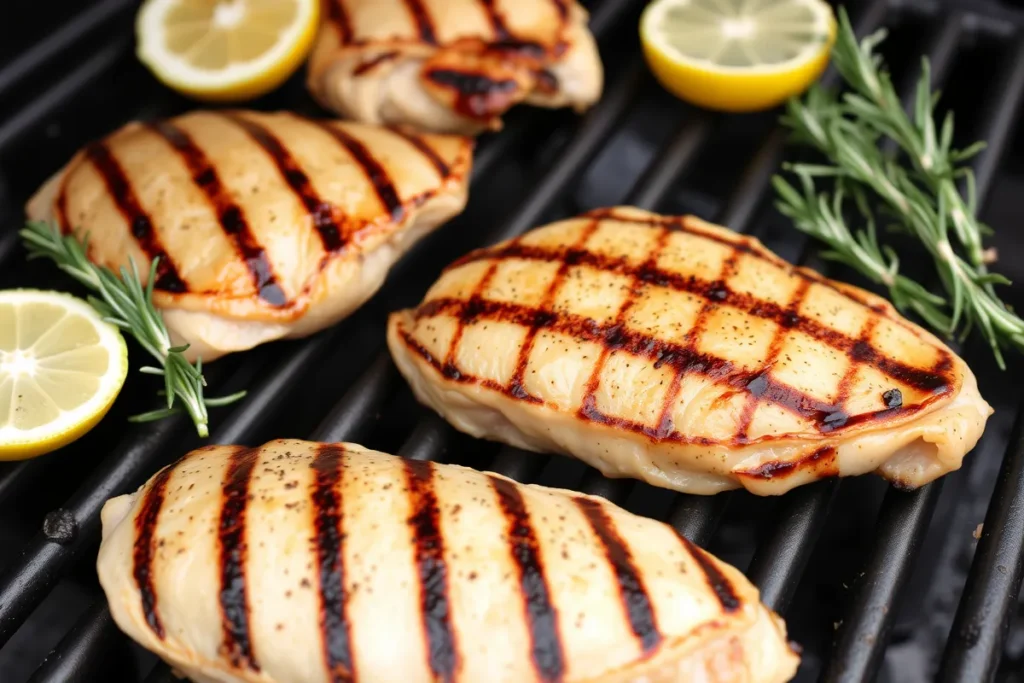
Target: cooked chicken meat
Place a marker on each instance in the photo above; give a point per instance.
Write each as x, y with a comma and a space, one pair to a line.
266, 225
683, 354
301, 562
452, 65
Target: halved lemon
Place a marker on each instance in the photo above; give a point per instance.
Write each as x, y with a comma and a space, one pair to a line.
225, 50
61, 367
737, 55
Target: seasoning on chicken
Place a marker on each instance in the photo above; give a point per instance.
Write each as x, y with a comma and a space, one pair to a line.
267, 226
453, 65
685, 355
297, 562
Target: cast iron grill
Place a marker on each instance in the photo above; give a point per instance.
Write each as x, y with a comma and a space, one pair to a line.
838, 559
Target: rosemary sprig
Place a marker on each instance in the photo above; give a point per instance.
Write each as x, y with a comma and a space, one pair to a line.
923, 196
124, 302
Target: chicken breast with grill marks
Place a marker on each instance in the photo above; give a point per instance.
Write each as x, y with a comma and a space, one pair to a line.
452, 65
266, 225
685, 355
301, 562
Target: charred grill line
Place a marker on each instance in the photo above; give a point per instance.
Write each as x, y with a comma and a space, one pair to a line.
515, 386
433, 571
330, 538
372, 63
142, 556
477, 95
665, 425
448, 366
541, 615
588, 405
635, 602
846, 383
139, 222
229, 213
644, 346
234, 599
501, 31
321, 212
375, 173
791, 319
823, 461
719, 585
60, 209
443, 171
930, 380
421, 17
338, 16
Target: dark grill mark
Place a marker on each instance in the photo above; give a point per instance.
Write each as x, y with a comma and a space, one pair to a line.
377, 174
791, 318
373, 62
426, 150
477, 95
929, 380
422, 19
330, 538
120, 189
433, 572
232, 220
541, 616
60, 209
677, 356
234, 599
501, 32
720, 585
322, 213
547, 82
338, 16
821, 461
142, 561
635, 601
516, 388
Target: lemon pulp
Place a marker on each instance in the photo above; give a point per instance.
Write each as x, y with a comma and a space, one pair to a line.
61, 367
737, 55
225, 50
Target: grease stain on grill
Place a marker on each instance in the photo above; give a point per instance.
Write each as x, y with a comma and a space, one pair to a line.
541, 616
321, 213
428, 541
60, 526
141, 226
232, 220
636, 603
231, 535
142, 553
477, 95
719, 585
330, 537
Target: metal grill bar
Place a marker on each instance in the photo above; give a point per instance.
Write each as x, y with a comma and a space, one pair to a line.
90, 21
904, 516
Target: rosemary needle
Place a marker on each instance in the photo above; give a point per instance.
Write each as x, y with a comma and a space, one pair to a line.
922, 193
123, 301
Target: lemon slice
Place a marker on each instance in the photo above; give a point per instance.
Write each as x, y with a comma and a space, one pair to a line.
61, 367
737, 55
225, 50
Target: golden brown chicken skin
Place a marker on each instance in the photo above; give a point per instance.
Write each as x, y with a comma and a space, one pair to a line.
266, 225
452, 65
681, 353
302, 562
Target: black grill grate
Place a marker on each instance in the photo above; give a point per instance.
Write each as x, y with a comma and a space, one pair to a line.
543, 165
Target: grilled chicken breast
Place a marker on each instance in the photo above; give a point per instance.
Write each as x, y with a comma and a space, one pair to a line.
452, 65
300, 562
683, 354
266, 225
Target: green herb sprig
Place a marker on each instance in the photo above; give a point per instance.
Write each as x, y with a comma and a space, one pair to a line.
922, 196
124, 302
